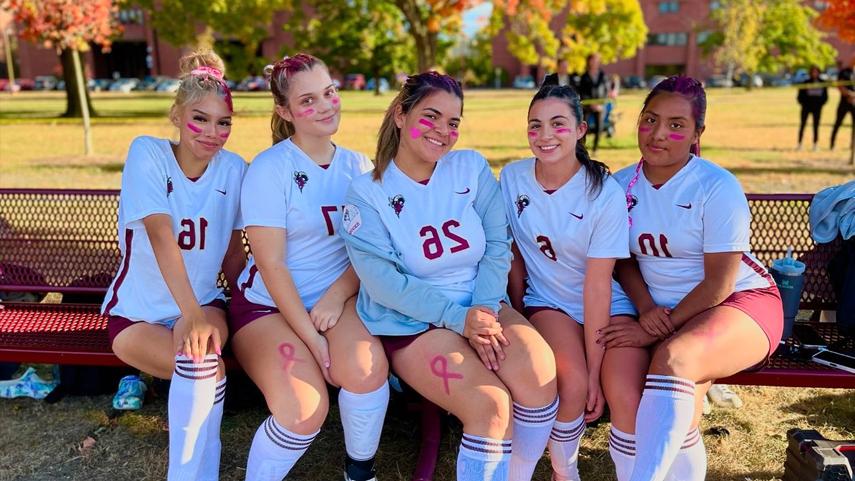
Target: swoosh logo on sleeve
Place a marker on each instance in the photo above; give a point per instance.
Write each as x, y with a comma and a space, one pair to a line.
464, 192
580, 216
687, 206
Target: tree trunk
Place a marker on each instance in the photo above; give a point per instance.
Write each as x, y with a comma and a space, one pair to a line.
425, 39
72, 100
82, 95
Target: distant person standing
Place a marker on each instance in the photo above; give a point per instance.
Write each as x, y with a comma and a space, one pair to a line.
847, 98
593, 85
561, 76
811, 99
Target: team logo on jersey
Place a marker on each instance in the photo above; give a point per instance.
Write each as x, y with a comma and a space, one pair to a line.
168, 186
301, 179
397, 204
632, 201
521, 203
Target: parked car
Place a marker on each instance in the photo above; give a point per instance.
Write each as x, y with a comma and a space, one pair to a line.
755, 80
523, 82
634, 82
252, 84
45, 82
654, 80
24, 84
354, 81
718, 81
168, 85
384, 84
99, 84
124, 85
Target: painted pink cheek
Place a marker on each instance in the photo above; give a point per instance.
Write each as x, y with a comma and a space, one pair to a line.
335, 101
415, 133
225, 136
194, 128
307, 112
427, 123
453, 134
532, 134
676, 136
562, 131
644, 129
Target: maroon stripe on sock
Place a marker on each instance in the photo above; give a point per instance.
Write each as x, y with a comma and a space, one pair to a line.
692, 439
621, 449
628, 443
502, 442
565, 436
670, 389
524, 410
485, 450
126, 262
672, 380
284, 440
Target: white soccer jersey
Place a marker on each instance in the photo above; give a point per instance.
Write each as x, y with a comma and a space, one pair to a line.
204, 213
702, 209
285, 188
434, 226
557, 233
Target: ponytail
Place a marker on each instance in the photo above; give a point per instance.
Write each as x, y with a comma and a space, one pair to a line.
388, 139
281, 128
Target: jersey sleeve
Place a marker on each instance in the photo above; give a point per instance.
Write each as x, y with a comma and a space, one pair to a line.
727, 218
491, 282
610, 232
145, 186
382, 273
364, 164
264, 187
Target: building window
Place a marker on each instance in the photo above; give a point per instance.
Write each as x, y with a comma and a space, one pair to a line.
668, 39
130, 16
715, 5
671, 6
703, 36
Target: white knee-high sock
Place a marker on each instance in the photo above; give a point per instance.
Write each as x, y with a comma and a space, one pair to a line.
191, 398
691, 462
663, 419
564, 448
274, 451
622, 450
362, 418
531, 432
483, 459
210, 469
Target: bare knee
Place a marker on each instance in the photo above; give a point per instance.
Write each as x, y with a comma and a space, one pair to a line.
364, 372
302, 414
675, 358
487, 412
572, 390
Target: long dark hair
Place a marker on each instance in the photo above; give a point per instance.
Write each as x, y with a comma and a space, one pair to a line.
596, 170
416, 88
691, 90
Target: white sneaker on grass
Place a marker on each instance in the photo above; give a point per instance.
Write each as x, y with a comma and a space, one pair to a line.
722, 396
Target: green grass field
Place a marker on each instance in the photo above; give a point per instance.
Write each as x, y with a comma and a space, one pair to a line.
753, 134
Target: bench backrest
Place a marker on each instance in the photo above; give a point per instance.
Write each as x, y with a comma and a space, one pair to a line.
65, 240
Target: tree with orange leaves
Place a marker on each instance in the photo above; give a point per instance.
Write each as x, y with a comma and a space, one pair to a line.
839, 16
426, 18
68, 26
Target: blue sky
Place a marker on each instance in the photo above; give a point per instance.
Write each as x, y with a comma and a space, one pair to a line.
476, 17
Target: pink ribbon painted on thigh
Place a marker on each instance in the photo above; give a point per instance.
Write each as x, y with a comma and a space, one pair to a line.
289, 356
439, 367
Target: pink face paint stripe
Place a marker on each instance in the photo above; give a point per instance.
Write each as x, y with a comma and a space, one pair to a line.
224, 136
562, 131
427, 123
306, 112
644, 129
676, 136
532, 134
439, 367
453, 134
194, 128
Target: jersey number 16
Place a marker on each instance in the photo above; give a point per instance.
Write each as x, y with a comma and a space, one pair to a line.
187, 236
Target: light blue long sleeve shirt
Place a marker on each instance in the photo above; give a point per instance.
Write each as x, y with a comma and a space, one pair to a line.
394, 301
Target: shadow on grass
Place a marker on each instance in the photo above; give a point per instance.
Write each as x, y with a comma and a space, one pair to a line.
827, 409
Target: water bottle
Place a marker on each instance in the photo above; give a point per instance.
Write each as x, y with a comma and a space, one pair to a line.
789, 275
